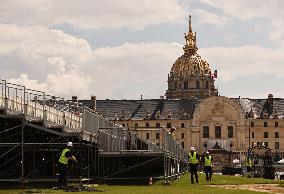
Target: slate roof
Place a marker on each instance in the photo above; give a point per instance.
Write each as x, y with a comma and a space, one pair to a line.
136, 109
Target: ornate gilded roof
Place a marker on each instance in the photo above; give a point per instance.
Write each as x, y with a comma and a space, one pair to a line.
190, 63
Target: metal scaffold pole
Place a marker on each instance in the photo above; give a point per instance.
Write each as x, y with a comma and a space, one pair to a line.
22, 150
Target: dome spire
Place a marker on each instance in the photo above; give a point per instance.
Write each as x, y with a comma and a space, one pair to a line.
190, 40
189, 24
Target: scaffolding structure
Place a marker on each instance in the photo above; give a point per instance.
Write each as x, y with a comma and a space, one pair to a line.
35, 127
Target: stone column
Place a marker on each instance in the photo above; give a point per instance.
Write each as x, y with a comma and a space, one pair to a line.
195, 138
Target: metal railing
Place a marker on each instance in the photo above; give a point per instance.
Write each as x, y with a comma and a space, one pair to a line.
155, 140
51, 110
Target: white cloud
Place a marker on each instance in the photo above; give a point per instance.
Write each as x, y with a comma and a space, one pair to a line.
245, 60
245, 10
43, 58
206, 17
92, 14
63, 65
128, 70
29, 83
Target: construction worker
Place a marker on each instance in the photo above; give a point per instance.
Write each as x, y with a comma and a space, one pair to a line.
248, 162
193, 164
208, 166
65, 156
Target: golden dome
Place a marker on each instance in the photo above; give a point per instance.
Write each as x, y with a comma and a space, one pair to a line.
190, 63
190, 76
187, 65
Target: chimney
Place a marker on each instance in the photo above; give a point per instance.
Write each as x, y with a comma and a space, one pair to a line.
74, 99
270, 104
141, 97
93, 103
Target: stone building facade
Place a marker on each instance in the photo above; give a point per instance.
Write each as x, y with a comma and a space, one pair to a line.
200, 117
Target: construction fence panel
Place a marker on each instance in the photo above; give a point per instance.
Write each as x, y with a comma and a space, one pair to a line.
90, 121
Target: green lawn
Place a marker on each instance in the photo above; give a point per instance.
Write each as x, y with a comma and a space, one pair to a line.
181, 186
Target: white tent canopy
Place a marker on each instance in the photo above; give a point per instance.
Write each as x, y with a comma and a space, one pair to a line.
281, 161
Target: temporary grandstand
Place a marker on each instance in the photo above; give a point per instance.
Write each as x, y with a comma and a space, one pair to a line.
35, 126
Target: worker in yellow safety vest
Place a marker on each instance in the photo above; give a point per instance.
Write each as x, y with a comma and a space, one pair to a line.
65, 156
193, 164
248, 163
208, 166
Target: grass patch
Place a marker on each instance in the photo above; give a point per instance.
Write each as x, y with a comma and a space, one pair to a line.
181, 186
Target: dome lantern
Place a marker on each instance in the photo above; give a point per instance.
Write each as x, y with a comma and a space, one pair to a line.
190, 75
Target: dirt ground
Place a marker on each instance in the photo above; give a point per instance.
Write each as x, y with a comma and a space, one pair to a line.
265, 188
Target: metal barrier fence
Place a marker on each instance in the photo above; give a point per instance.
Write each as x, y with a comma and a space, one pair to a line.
156, 140
51, 110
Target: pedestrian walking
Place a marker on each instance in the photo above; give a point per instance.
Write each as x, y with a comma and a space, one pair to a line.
208, 166
193, 164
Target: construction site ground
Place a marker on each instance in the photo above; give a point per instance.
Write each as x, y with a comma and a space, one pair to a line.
219, 184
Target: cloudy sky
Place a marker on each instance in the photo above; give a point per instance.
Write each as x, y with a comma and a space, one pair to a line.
120, 49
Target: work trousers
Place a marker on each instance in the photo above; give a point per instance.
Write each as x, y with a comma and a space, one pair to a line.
208, 172
62, 179
193, 170
248, 168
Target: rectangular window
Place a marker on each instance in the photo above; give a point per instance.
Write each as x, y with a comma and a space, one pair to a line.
157, 135
252, 124
276, 134
218, 131
276, 145
252, 135
158, 125
182, 144
147, 135
205, 132
136, 125
276, 124
169, 125
265, 134
230, 131
147, 125
182, 125
182, 135
265, 124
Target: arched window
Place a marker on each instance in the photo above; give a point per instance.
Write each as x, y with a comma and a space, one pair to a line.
197, 85
205, 132
185, 85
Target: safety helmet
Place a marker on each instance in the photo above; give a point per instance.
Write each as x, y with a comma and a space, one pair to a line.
70, 144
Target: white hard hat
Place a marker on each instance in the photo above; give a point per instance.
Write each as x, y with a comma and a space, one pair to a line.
192, 149
70, 144
207, 152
